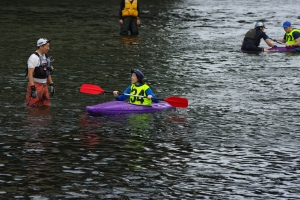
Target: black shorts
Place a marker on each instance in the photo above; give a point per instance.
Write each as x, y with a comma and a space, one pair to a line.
251, 47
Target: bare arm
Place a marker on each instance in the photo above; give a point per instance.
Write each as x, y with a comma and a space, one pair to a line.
282, 41
269, 43
49, 79
30, 76
297, 44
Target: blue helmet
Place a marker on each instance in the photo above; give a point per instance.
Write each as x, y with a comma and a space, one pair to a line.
259, 24
138, 73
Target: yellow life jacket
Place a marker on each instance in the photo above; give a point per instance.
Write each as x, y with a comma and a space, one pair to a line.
290, 38
130, 9
141, 91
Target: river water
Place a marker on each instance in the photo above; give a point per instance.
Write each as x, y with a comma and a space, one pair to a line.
238, 139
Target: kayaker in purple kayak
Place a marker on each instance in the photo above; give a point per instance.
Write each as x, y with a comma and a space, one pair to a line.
137, 88
252, 39
291, 36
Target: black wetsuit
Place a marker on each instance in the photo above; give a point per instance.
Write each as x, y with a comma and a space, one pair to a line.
252, 40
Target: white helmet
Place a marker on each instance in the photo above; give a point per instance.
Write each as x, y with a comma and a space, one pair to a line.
260, 24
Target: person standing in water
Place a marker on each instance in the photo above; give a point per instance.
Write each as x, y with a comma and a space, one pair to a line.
39, 72
129, 17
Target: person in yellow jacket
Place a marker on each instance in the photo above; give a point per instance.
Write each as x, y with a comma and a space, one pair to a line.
129, 17
291, 36
137, 89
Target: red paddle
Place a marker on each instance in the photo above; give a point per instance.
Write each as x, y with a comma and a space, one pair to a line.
91, 89
175, 101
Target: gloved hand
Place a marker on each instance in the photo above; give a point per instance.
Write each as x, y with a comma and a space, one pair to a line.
52, 89
33, 92
51, 69
274, 46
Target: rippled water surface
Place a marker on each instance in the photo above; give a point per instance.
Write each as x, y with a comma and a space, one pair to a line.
238, 139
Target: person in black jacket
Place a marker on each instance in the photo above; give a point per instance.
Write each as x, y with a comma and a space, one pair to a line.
252, 39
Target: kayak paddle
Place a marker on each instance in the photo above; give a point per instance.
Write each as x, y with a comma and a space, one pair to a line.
174, 101
91, 89
275, 40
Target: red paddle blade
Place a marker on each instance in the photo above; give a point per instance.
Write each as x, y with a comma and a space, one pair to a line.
91, 89
178, 102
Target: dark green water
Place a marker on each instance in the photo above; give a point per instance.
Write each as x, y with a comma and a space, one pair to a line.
238, 139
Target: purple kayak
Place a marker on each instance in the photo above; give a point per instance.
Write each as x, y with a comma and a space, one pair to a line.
282, 49
122, 107
274, 49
